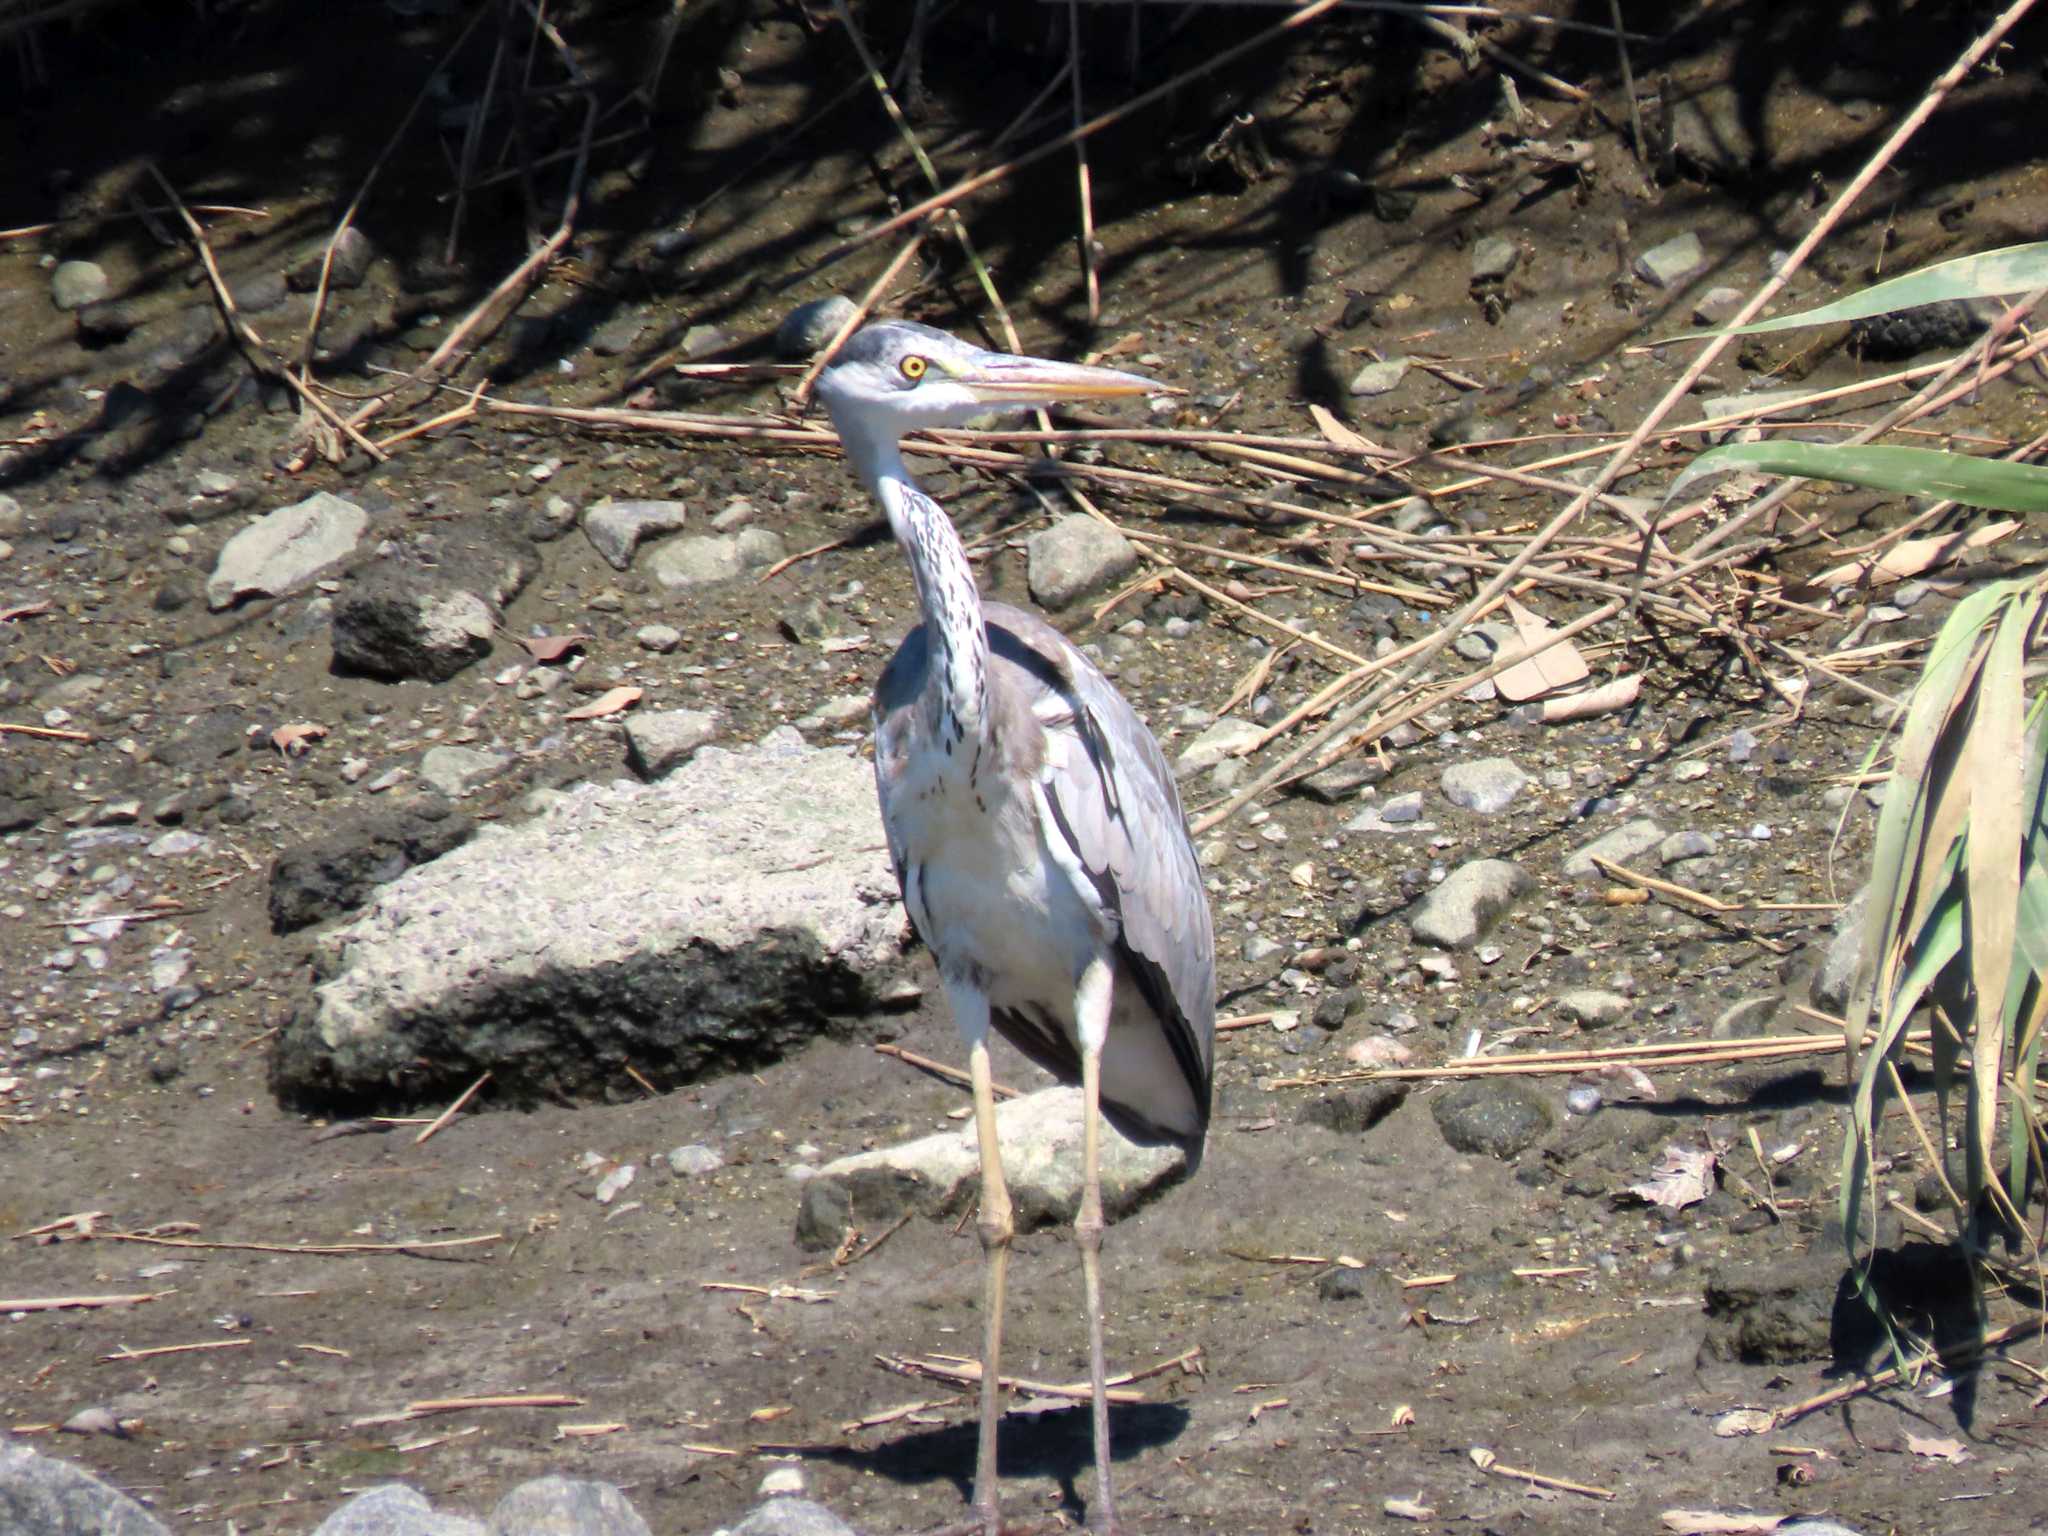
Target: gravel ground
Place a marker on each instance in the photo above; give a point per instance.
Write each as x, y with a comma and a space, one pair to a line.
1381, 1278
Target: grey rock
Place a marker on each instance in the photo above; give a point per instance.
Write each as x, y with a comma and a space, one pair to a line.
1075, 556
615, 528
110, 320
202, 740
1486, 786
566, 1506
836, 714
1494, 258
939, 1175
13, 521
658, 638
792, 1516
1484, 641
1380, 378
1746, 1018
1591, 1007
1397, 813
758, 546
1671, 263
392, 1509
1341, 781
698, 562
1354, 1111
1343, 1283
694, 1161
695, 925
617, 335
553, 518
1625, 844
1492, 1117
658, 743
337, 872
736, 513
1774, 403
76, 284
455, 771
1717, 306
1841, 964
1219, 741
261, 293
1776, 1311
702, 341
1680, 846
353, 254
808, 327
1457, 914
285, 551
46, 1496
405, 624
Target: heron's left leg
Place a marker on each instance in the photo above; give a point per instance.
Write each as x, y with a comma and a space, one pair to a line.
970, 1012
1091, 1011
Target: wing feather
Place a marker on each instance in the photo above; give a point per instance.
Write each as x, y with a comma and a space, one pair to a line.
1115, 803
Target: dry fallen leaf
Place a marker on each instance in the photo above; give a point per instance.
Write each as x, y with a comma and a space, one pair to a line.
1744, 1421
771, 1413
1683, 1178
290, 740
1408, 1509
613, 702
1632, 1082
1402, 1416
1909, 557
1603, 700
548, 648
1937, 1449
1340, 436
1559, 667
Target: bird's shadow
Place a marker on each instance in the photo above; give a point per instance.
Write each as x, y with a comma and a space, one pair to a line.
1055, 1443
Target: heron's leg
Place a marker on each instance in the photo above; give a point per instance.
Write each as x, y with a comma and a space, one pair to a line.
1091, 1000
997, 1228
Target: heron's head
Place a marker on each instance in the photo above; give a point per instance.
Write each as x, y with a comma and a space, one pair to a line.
895, 376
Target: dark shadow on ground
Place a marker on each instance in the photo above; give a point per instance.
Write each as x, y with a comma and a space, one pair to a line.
1055, 1444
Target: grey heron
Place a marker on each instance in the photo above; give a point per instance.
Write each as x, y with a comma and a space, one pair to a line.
1035, 828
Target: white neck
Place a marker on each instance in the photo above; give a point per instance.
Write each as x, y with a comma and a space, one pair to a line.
956, 681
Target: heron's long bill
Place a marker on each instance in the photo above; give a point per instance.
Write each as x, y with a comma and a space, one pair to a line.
1002, 379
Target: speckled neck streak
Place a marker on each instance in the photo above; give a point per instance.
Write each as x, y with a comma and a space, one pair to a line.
956, 691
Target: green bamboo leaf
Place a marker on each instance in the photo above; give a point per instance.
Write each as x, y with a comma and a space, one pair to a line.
1938, 942
1975, 482
1996, 762
2013, 269
2030, 942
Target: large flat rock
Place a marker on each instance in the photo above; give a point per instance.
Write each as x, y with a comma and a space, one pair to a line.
939, 1175
707, 922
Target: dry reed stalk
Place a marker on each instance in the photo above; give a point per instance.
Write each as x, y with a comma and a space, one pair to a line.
985, 179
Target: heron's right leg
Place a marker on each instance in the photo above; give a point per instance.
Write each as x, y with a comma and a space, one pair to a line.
997, 1227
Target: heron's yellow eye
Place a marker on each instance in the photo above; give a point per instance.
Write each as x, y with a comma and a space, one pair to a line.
913, 368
